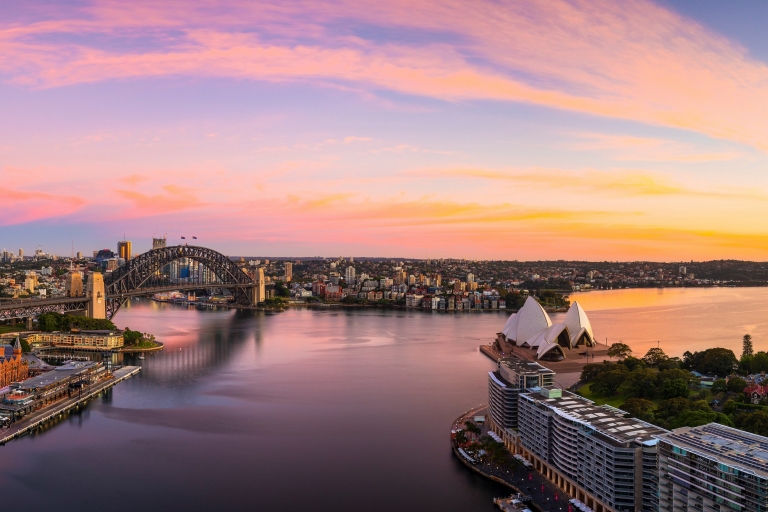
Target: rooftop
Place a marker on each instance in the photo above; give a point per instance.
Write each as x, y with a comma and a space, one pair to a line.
730, 446
525, 367
604, 419
57, 374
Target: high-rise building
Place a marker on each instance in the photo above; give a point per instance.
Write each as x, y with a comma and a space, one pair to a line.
712, 468
158, 243
79, 255
349, 275
288, 271
594, 453
30, 282
124, 250
21, 253
683, 270
470, 278
512, 377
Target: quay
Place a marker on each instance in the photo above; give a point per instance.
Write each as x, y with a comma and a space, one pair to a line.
37, 419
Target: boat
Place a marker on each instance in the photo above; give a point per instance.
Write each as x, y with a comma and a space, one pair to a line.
141, 356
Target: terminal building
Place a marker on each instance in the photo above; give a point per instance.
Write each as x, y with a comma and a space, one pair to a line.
78, 339
13, 366
594, 453
512, 377
46, 388
532, 328
713, 468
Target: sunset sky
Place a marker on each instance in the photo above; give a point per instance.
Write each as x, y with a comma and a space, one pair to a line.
469, 129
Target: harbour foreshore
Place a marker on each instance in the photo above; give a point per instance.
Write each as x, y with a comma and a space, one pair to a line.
530, 482
38, 418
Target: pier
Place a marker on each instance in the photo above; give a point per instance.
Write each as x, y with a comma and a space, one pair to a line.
39, 418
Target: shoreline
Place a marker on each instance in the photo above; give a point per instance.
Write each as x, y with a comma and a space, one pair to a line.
459, 421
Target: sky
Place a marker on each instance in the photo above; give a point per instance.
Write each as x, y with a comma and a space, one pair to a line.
591, 130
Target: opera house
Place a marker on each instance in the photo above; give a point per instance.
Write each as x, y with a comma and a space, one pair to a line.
532, 328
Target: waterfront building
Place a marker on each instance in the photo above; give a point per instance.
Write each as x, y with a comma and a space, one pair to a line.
512, 376
712, 468
13, 367
78, 339
532, 328
594, 453
46, 388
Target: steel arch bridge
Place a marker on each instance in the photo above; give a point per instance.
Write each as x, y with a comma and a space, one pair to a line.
144, 275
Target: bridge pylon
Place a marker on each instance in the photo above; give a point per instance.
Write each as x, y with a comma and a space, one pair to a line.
96, 295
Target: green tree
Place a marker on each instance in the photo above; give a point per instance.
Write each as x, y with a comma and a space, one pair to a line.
639, 408
719, 386
729, 407
654, 356
632, 363
619, 350
590, 371
675, 373
713, 361
746, 343
641, 382
755, 422
608, 382
736, 385
675, 388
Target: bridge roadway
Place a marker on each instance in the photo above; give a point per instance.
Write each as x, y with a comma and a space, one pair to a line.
24, 308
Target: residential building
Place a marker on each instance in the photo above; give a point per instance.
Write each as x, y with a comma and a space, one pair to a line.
78, 339
512, 376
594, 453
289, 271
712, 468
349, 276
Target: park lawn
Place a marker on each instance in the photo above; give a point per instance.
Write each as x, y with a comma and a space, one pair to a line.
615, 401
11, 328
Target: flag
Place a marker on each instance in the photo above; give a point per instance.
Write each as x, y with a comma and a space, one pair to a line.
183, 238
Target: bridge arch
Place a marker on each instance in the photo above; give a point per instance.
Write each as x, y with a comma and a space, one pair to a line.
139, 273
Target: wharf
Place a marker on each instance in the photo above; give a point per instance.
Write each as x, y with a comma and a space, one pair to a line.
37, 419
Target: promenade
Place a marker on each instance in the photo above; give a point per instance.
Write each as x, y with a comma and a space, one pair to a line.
38, 418
544, 495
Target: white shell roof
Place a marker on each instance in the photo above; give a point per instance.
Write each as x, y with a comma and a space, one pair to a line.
546, 347
527, 323
576, 319
510, 326
548, 335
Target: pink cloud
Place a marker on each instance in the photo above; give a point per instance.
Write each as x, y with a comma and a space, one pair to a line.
633, 60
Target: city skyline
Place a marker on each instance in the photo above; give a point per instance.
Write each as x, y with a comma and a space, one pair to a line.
566, 130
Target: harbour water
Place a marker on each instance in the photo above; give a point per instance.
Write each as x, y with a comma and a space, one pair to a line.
316, 410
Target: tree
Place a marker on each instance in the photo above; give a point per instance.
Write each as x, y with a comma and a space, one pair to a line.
736, 385
747, 349
619, 350
639, 408
719, 386
719, 361
472, 428
590, 371
675, 388
729, 407
674, 373
755, 422
654, 356
608, 382
713, 361
641, 382
632, 363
